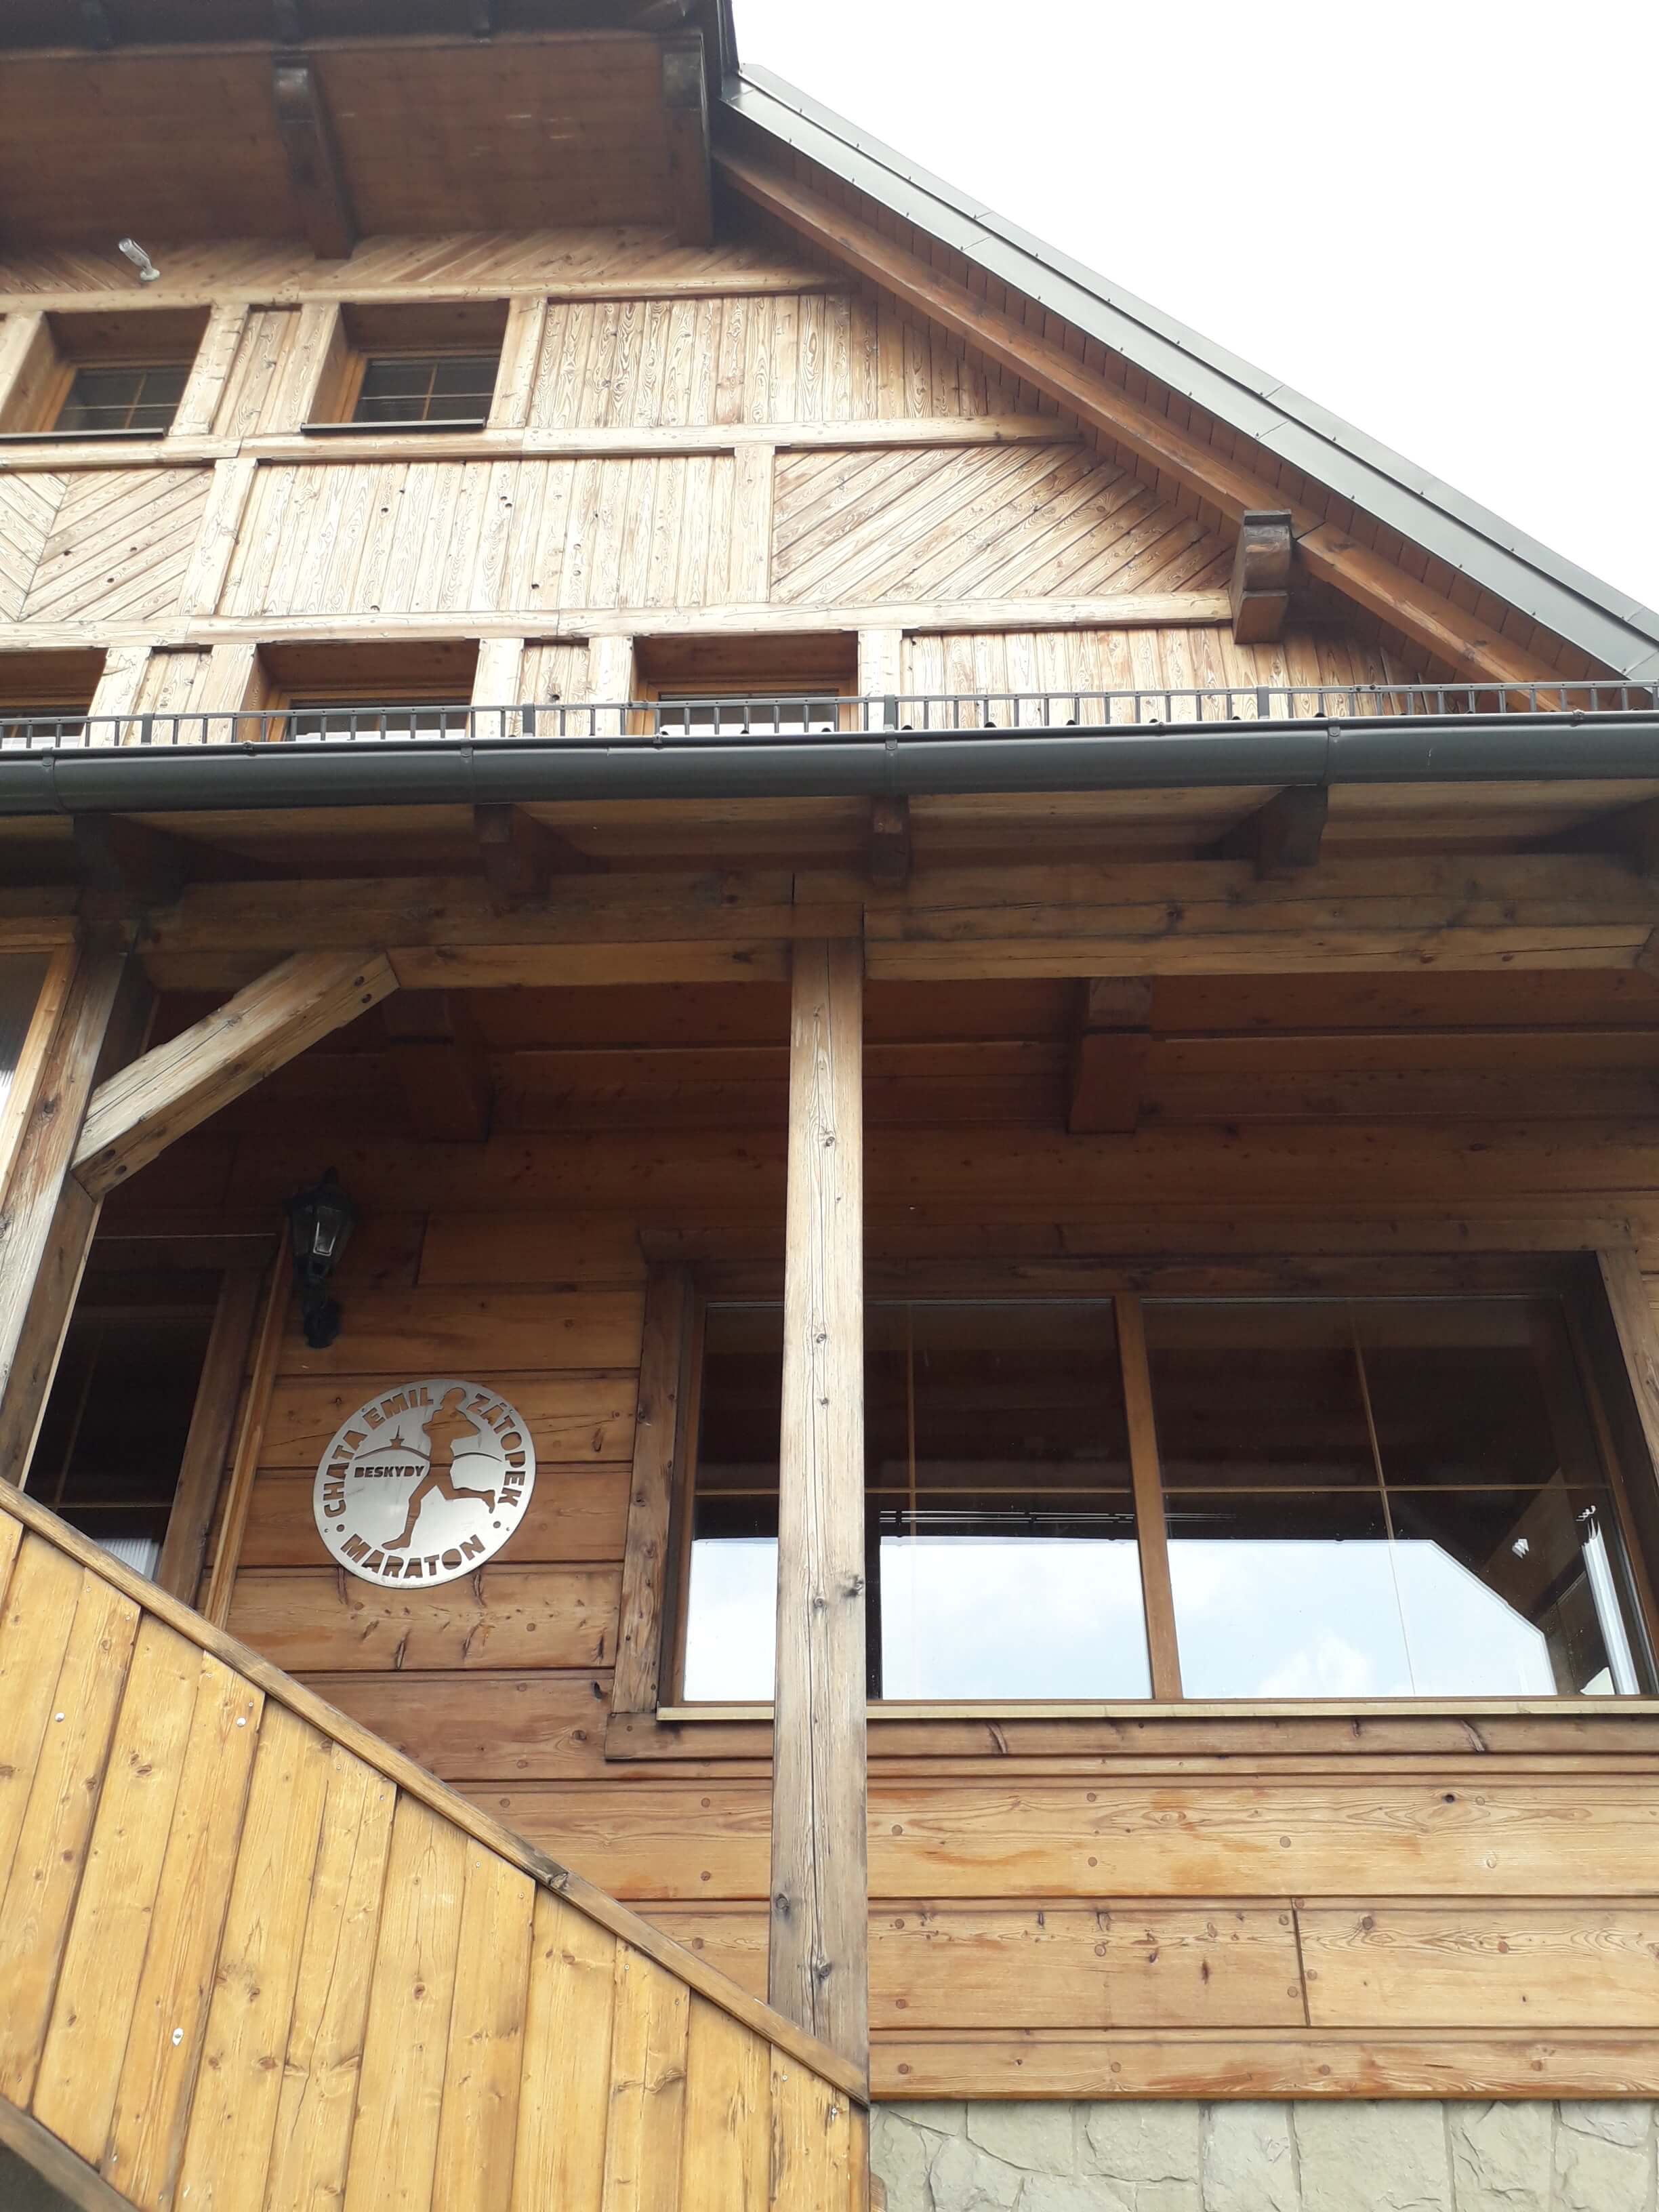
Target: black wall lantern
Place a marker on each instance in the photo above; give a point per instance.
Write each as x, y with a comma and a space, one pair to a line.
320, 1220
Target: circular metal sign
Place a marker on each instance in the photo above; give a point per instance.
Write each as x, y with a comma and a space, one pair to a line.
424, 1482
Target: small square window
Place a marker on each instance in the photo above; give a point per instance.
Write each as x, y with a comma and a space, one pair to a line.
141, 396
452, 388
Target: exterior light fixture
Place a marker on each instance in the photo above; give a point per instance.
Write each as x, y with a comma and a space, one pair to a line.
148, 272
320, 1220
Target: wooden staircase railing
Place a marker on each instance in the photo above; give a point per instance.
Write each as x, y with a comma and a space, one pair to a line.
252, 1959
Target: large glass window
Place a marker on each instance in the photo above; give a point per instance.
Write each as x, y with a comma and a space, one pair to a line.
454, 389
1381, 1497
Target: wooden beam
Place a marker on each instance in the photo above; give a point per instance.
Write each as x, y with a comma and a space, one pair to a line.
1327, 552
96, 24
817, 1973
661, 1441
314, 170
207, 1447
69, 2179
1109, 1053
134, 863
440, 1066
251, 1434
46, 1217
887, 842
1284, 837
1261, 586
138, 1113
1164, 1659
520, 855
685, 115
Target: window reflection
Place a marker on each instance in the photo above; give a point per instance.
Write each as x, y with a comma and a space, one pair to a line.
1385, 1498
999, 1544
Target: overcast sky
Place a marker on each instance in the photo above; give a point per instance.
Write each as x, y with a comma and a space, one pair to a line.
1436, 218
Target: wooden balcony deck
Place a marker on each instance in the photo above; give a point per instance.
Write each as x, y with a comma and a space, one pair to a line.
250, 1956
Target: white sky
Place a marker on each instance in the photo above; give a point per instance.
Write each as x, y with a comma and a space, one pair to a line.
1436, 218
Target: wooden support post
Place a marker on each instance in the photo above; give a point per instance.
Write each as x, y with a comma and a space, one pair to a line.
207, 1448
210, 370
660, 1443
251, 1435
1261, 586
46, 1217
440, 1066
313, 161
1109, 1052
685, 115
28, 366
817, 1973
139, 1112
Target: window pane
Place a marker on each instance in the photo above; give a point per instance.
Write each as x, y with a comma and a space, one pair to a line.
999, 1525
1508, 1555
134, 398
1385, 1498
429, 387
112, 1438
732, 1602
997, 1470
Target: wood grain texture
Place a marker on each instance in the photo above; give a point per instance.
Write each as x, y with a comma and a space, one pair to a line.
141, 1110
285, 1979
818, 1972
662, 1446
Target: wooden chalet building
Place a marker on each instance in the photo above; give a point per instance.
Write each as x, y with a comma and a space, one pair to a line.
983, 997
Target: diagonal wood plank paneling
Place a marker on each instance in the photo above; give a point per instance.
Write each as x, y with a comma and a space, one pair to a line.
994, 522
29, 507
118, 545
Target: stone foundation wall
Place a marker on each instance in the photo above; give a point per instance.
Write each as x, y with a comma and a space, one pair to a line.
1339, 2156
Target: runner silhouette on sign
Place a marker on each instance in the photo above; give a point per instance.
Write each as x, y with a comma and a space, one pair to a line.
444, 1429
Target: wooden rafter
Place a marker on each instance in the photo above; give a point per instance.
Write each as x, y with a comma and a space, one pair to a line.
1327, 552
314, 168
139, 1112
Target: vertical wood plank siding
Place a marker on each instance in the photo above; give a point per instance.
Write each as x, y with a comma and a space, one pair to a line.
239, 1965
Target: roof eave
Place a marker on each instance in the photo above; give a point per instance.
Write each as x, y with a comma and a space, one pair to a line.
1610, 625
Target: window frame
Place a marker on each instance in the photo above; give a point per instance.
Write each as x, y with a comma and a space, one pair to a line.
366, 332
205, 1458
1585, 1283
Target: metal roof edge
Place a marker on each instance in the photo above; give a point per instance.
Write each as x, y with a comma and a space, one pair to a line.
1604, 622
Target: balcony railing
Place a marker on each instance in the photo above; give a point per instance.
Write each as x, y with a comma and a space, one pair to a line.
774, 718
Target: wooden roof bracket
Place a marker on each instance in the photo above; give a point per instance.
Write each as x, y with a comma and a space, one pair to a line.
1260, 589
314, 169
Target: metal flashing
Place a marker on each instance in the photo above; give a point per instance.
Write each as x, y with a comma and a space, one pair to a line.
1606, 623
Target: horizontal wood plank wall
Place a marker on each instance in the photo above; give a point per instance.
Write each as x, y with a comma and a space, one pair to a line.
242, 1963
1046, 1901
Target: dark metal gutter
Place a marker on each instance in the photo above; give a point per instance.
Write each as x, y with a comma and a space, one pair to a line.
1608, 624
445, 771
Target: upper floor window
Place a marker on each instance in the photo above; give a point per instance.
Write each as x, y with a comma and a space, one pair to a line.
435, 387
1349, 1498
738, 687
116, 374
143, 396
419, 365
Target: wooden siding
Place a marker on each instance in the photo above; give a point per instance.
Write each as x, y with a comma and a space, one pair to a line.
1016, 522
1068, 669
248, 1959
102, 545
612, 258
1300, 1906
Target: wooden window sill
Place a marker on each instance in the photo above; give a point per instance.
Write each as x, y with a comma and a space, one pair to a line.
1332, 1732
